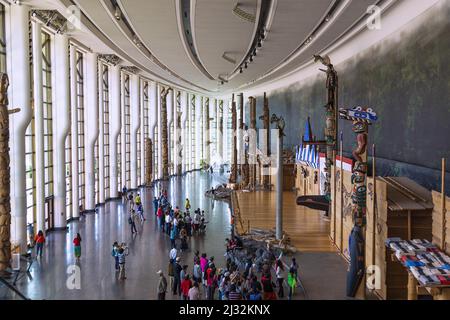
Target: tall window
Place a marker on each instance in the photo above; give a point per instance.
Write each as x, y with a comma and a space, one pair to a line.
68, 170
229, 132
171, 144
138, 156
213, 132
119, 162
202, 114
105, 79
30, 160
146, 101
47, 113
79, 78
127, 118
96, 173
192, 125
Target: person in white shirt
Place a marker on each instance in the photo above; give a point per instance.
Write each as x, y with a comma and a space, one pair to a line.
168, 221
194, 292
173, 254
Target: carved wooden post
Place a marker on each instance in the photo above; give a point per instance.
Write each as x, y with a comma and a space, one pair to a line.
331, 120
233, 175
148, 161
241, 134
266, 123
180, 147
164, 134
5, 203
361, 119
252, 136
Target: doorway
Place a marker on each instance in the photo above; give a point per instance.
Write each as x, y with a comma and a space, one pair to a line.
49, 213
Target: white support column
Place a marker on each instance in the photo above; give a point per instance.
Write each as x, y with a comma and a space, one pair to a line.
158, 109
184, 131
142, 135
206, 124
213, 114
123, 134
38, 125
91, 127
134, 127
153, 115
115, 126
74, 137
19, 97
101, 137
198, 131
61, 125
170, 140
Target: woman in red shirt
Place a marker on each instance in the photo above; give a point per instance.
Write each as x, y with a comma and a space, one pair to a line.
77, 246
186, 284
39, 240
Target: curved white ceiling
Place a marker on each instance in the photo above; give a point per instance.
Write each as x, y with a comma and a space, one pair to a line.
217, 30
156, 24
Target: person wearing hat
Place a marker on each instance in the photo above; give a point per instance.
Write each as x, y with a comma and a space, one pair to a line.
162, 286
224, 286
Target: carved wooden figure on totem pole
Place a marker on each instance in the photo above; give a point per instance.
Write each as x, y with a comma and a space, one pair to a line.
361, 119
233, 175
265, 117
331, 120
5, 176
148, 161
164, 134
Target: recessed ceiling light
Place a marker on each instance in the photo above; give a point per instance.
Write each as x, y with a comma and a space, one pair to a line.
117, 13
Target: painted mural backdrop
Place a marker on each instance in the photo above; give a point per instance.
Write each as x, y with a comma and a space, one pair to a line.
407, 79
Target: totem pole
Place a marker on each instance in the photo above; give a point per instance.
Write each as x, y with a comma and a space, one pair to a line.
180, 146
252, 142
331, 120
279, 121
361, 119
241, 134
164, 134
265, 117
5, 177
233, 175
148, 161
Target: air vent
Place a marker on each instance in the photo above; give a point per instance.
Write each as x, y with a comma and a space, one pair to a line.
242, 14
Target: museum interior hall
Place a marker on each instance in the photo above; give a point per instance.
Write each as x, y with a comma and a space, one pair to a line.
224, 150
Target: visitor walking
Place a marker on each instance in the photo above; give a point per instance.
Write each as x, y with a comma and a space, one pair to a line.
122, 253
187, 204
186, 285
132, 223
77, 247
162, 286
177, 277
39, 240
155, 205
292, 282
114, 254
280, 278
194, 292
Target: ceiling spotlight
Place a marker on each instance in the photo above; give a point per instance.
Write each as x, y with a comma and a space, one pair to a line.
245, 65
328, 18
263, 36
221, 82
240, 70
251, 58
259, 44
254, 52
117, 13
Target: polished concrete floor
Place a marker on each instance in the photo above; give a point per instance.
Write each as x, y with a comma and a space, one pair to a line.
323, 274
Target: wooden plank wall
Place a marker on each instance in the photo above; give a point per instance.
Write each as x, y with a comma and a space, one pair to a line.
437, 221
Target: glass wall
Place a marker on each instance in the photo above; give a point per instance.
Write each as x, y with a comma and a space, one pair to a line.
47, 113
127, 127
105, 79
80, 109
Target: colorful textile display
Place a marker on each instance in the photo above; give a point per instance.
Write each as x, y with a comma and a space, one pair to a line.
307, 154
425, 261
